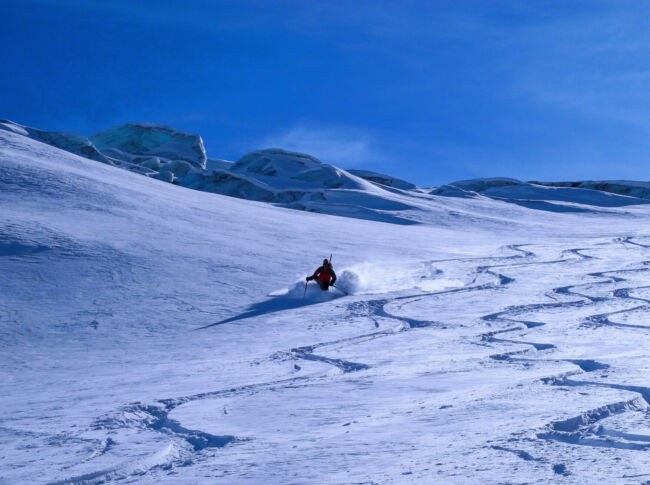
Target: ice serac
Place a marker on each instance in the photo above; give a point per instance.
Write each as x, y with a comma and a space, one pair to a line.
148, 140
70, 142
383, 179
217, 164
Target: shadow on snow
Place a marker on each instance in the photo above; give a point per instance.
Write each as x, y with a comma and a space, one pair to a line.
286, 299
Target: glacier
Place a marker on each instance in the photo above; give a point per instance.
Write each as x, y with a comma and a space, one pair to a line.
155, 333
301, 181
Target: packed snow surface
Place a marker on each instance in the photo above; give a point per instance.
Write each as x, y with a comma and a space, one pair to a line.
152, 333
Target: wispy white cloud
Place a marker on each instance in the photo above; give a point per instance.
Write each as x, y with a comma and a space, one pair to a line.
340, 145
590, 63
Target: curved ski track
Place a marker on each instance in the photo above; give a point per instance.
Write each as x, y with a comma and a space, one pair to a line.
582, 430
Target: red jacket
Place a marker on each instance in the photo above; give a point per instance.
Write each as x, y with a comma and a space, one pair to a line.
325, 274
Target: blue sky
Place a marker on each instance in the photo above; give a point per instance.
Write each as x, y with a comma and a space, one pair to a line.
430, 91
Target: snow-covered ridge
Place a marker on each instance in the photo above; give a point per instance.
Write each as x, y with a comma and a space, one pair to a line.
301, 181
483, 184
630, 188
294, 180
552, 196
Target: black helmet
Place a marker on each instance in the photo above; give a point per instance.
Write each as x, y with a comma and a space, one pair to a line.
325, 262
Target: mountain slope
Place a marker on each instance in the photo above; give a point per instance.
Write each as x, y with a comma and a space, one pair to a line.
158, 334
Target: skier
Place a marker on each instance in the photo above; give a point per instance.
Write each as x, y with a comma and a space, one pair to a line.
324, 276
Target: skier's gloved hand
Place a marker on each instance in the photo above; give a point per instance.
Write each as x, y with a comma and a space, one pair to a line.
331, 283
308, 278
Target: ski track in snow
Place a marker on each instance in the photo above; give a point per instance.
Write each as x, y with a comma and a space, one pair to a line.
584, 429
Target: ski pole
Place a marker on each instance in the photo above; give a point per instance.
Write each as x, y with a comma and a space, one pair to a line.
305, 293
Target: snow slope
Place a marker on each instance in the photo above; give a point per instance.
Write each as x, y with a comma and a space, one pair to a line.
156, 334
